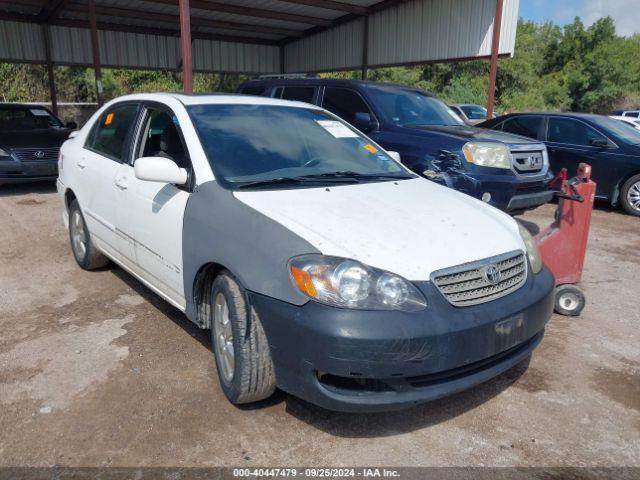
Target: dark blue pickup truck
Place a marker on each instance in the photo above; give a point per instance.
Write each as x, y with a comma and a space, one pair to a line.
508, 171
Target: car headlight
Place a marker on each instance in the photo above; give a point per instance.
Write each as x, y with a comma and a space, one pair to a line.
345, 283
532, 249
487, 154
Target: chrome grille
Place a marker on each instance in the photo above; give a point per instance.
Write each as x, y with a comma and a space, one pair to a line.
528, 162
36, 154
482, 281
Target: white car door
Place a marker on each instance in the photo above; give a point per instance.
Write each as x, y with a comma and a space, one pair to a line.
151, 213
96, 167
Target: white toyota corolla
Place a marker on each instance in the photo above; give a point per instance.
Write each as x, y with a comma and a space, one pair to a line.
321, 265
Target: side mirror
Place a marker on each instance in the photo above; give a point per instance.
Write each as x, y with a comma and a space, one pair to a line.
72, 125
599, 142
159, 169
394, 155
364, 122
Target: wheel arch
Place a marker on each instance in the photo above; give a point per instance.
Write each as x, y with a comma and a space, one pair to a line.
202, 283
69, 197
617, 188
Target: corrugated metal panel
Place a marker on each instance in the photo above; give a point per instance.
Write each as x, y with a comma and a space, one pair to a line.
138, 50
214, 56
21, 42
340, 47
411, 32
427, 30
71, 46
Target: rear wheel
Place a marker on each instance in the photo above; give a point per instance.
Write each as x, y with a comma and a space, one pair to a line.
630, 195
243, 359
87, 256
569, 300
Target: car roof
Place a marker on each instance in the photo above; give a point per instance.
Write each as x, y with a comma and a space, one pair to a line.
465, 105
584, 116
212, 99
20, 106
325, 82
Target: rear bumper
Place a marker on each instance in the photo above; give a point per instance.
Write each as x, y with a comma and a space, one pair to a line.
351, 360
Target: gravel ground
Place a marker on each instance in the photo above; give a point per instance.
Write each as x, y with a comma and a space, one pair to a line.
95, 370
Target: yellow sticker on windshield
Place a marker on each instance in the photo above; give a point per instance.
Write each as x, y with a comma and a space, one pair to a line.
370, 148
109, 118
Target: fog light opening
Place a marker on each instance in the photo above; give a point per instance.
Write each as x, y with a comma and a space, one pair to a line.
486, 197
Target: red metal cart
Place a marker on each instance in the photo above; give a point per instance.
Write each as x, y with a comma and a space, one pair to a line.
564, 243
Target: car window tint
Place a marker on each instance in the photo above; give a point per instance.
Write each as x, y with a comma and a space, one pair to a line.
162, 138
474, 112
253, 90
246, 143
567, 130
344, 103
527, 126
112, 129
300, 94
27, 119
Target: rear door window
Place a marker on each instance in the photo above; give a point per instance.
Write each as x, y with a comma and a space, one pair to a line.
253, 90
570, 131
527, 126
345, 103
111, 132
299, 94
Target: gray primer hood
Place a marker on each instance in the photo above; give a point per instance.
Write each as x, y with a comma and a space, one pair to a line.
220, 229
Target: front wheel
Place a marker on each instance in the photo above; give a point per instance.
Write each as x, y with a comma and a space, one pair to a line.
630, 195
240, 346
569, 300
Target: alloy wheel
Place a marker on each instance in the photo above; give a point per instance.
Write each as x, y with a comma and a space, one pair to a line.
224, 337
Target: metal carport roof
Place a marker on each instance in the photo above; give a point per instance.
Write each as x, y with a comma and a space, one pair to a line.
254, 36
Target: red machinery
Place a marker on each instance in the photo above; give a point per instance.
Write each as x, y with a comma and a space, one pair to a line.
564, 243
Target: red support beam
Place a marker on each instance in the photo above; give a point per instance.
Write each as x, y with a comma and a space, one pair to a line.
495, 50
95, 48
50, 73
185, 43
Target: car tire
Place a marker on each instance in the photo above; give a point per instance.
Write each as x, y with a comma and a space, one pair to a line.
85, 253
569, 301
630, 195
239, 344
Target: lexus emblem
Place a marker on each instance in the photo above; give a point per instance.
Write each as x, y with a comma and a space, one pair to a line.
492, 274
39, 154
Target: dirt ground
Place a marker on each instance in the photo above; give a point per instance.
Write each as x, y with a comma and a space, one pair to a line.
95, 370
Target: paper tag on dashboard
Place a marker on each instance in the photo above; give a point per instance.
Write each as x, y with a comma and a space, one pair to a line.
337, 129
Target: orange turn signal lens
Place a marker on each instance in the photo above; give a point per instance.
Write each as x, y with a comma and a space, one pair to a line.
303, 281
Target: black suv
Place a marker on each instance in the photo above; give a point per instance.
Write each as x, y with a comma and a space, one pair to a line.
508, 171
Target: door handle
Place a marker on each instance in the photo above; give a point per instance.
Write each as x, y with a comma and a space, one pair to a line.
121, 184
81, 164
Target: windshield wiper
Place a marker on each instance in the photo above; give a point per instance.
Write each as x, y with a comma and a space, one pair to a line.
357, 176
301, 180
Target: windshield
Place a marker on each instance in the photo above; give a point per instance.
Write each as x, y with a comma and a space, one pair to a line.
474, 112
251, 144
27, 119
412, 107
621, 131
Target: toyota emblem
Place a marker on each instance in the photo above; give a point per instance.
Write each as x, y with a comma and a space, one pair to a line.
39, 154
492, 274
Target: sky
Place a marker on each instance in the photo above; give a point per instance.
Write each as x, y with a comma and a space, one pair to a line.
625, 13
